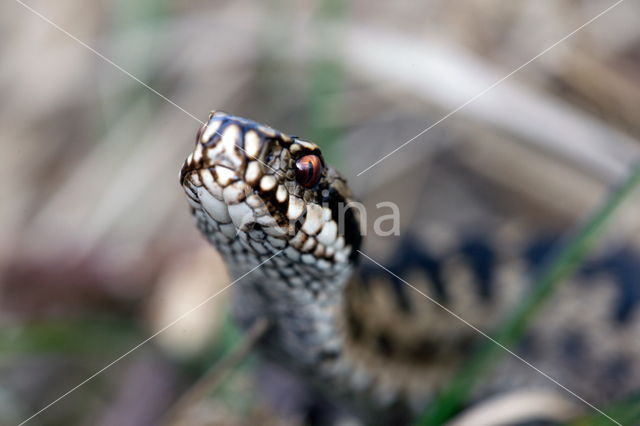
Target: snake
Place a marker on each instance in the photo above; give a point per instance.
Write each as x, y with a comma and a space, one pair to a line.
279, 215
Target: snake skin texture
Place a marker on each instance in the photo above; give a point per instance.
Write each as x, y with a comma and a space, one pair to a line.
364, 338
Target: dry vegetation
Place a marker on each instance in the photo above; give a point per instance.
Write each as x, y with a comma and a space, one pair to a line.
97, 249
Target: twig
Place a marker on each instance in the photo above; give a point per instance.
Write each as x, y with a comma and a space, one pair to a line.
216, 375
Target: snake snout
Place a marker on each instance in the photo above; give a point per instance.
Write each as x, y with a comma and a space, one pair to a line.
220, 144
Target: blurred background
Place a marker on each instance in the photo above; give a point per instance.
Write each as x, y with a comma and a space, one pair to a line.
97, 247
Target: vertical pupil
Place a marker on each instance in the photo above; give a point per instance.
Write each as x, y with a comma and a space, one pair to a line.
307, 170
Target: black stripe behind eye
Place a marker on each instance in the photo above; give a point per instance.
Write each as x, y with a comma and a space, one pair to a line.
349, 223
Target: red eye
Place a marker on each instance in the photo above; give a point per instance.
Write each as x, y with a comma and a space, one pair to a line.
308, 170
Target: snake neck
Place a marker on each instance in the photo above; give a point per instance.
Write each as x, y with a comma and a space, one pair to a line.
302, 304
282, 219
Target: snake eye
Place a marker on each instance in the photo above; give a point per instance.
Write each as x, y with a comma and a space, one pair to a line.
308, 170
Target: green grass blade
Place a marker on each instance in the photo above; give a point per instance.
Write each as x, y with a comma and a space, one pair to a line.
565, 263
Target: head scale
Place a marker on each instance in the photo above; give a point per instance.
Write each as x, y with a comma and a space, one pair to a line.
256, 191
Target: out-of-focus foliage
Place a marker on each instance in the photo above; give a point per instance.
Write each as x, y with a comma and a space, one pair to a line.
97, 248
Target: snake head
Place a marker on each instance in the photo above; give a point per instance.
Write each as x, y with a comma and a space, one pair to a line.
268, 191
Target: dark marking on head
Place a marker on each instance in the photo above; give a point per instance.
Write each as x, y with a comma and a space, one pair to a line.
225, 122
268, 157
243, 132
337, 203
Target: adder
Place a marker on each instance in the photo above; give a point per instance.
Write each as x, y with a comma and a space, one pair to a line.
279, 216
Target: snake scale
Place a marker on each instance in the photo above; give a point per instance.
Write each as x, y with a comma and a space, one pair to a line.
275, 211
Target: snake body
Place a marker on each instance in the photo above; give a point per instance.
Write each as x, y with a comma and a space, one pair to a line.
279, 216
